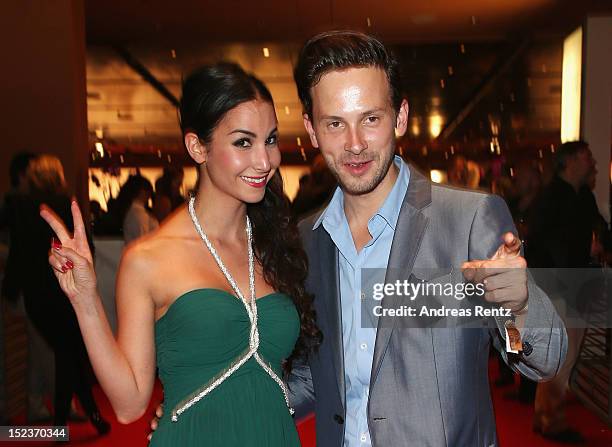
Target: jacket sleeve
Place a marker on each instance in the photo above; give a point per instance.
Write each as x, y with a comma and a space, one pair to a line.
544, 330
301, 391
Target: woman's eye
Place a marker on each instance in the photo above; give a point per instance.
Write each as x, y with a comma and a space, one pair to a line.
272, 140
243, 143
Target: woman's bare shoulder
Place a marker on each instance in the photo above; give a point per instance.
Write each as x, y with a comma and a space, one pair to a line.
156, 248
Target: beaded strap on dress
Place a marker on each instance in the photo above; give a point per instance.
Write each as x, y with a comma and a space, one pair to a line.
251, 308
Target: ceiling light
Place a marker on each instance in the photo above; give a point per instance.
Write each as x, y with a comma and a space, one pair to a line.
571, 81
435, 125
437, 176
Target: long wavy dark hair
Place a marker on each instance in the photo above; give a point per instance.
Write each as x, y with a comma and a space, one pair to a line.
208, 94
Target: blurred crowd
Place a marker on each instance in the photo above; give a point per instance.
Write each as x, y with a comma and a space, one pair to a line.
139, 207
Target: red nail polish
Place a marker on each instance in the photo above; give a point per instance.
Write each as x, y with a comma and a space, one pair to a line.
56, 244
64, 269
69, 264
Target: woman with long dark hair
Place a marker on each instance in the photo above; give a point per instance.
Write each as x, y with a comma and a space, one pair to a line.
215, 297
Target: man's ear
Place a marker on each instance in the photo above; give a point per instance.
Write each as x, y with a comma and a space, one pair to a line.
310, 130
401, 123
195, 148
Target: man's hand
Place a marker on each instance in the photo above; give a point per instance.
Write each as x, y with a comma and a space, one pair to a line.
504, 276
159, 412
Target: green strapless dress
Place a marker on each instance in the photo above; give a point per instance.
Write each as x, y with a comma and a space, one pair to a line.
200, 335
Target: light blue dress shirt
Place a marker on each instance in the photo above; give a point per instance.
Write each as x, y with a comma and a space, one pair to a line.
358, 339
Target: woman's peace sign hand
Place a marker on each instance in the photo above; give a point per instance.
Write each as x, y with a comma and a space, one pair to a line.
70, 257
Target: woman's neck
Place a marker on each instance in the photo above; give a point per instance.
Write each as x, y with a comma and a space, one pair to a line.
221, 216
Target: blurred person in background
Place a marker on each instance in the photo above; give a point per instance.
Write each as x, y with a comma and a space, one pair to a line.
131, 203
45, 303
315, 189
557, 215
526, 186
601, 242
168, 195
520, 194
40, 356
137, 219
96, 214
10, 288
463, 173
11, 284
561, 226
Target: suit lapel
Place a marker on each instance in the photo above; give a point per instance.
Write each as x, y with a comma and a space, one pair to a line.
329, 292
409, 231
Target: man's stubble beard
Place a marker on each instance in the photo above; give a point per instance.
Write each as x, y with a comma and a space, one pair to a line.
354, 186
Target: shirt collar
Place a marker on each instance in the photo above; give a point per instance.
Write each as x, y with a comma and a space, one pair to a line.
333, 210
389, 210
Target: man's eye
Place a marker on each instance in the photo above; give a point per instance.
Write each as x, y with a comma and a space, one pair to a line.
272, 140
242, 143
372, 119
335, 124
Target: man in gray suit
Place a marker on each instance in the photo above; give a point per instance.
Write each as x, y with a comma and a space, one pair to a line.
388, 385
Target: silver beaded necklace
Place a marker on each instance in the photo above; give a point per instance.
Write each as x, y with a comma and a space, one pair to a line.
251, 309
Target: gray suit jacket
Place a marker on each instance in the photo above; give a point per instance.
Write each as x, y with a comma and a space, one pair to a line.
428, 387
